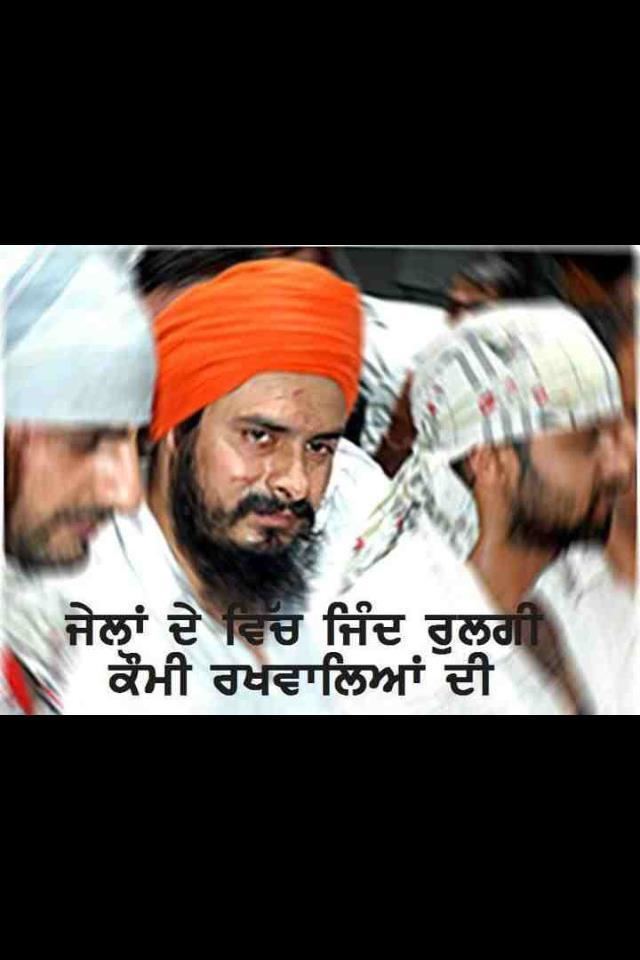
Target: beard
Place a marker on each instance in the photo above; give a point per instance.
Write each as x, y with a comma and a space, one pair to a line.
32, 553
254, 577
539, 516
30, 550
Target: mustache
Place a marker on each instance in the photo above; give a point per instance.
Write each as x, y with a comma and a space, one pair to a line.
266, 506
30, 552
92, 515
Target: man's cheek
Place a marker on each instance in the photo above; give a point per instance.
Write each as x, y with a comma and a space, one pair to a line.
320, 485
229, 474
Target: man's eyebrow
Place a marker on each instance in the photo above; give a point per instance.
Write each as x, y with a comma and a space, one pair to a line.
114, 433
106, 433
266, 424
263, 423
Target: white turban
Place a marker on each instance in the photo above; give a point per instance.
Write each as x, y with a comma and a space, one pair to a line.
79, 347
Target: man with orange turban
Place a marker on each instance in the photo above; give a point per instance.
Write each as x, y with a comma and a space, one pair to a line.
258, 372
252, 496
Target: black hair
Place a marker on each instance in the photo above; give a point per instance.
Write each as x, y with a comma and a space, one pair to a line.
177, 267
493, 270
606, 268
611, 325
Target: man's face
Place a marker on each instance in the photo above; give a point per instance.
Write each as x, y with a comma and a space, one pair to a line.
272, 442
247, 482
567, 485
61, 485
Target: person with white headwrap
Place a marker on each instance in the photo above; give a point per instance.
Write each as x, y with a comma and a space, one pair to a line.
79, 371
521, 451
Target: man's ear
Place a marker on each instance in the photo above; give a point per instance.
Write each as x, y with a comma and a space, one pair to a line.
483, 467
16, 436
13, 436
20, 436
509, 466
492, 467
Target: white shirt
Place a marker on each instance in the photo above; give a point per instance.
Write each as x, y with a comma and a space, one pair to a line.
422, 576
598, 617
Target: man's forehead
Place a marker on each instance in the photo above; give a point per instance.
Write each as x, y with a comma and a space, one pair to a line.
288, 403
289, 394
285, 383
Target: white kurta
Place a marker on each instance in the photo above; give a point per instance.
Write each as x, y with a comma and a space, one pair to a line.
598, 618
422, 576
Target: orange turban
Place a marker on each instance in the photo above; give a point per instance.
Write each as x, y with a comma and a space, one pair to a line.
263, 316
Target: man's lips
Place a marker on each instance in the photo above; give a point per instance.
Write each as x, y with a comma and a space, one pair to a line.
280, 521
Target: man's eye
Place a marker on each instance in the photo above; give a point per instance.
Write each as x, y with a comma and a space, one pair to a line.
322, 448
259, 438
